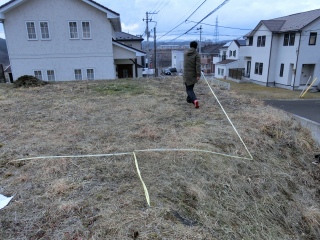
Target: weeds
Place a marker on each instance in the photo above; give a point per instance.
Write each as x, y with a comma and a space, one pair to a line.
193, 195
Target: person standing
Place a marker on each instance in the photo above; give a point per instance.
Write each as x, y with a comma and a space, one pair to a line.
192, 72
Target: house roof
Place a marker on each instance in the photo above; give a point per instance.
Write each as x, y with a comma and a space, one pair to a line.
121, 36
113, 16
212, 49
299, 20
137, 51
291, 23
225, 62
240, 43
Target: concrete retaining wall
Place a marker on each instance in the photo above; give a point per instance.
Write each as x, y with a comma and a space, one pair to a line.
314, 127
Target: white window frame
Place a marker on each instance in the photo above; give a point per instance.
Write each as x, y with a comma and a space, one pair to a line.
88, 74
41, 32
35, 72
54, 75
30, 33
71, 33
83, 32
77, 76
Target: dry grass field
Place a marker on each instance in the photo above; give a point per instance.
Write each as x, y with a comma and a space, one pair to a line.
193, 195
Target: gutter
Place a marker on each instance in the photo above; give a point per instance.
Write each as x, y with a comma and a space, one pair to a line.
295, 75
270, 62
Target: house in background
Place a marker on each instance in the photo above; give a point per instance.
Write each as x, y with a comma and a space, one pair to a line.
66, 40
231, 60
208, 54
177, 59
285, 51
125, 65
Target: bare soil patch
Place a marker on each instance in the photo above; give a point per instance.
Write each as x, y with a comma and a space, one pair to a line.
193, 195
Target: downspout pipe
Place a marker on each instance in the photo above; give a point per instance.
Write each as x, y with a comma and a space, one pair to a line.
270, 54
298, 52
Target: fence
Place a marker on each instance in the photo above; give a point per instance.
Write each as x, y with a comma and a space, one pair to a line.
236, 73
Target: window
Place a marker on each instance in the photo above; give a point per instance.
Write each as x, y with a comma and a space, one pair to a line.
261, 42
230, 53
73, 30
220, 71
50, 74
313, 38
86, 33
90, 74
289, 39
31, 30
234, 53
38, 74
292, 38
258, 68
250, 41
77, 74
281, 69
44, 28
224, 55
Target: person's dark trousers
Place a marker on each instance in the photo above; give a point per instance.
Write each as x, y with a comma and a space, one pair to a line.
191, 95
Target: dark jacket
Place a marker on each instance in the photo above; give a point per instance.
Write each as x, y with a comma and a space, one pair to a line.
192, 66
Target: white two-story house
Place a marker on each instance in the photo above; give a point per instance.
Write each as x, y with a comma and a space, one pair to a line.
230, 58
285, 51
66, 40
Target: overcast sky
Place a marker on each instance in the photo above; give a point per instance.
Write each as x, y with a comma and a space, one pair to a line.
235, 18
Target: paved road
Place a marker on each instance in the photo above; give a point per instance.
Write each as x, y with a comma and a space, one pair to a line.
309, 109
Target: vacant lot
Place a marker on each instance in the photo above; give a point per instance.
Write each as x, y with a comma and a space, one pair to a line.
193, 195
263, 93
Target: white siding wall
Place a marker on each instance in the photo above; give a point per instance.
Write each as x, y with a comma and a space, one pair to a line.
283, 55
177, 60
260, 54
233, 49
60, 53
309, 54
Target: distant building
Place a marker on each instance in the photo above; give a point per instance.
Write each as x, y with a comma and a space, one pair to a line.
284, 51
230, 59
209, 54
177, 59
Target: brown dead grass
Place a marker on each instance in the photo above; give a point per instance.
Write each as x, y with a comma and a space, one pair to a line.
193, 195
262, 92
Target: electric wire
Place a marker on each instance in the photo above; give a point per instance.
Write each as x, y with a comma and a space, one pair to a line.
183, 21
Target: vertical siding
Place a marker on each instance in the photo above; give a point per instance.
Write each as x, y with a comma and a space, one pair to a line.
309, 54
60, 53
261, 54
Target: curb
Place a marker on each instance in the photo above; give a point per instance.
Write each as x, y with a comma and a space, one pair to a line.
314, 127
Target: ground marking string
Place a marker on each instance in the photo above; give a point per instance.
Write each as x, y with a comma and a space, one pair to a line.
225, 113
152, 150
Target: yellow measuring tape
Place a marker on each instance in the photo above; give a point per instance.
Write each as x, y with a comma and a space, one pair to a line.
150, 150
146, 193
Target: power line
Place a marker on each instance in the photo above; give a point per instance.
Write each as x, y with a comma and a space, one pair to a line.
207, 24
221, 5
183, 21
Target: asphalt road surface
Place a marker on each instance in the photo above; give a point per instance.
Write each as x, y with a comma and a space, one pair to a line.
309, 109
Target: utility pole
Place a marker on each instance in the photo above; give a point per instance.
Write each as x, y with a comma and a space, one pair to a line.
200, 28
148, 33
155, 53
